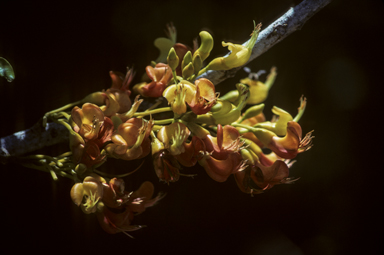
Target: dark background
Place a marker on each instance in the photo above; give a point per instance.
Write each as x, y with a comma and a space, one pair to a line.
63, 51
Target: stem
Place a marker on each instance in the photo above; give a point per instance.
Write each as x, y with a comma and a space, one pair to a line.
301, 109
242, 126
175, 77
162, 122
159, 110
202, 71
45, 118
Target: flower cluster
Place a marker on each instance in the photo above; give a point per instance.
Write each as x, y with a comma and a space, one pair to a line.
114, 206
227, 136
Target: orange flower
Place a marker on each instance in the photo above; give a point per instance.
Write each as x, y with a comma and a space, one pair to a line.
222, 157
288, 146
114, 207
192, 152
160, 76
257, 178
131, 140
87, 121
205, 96
115, 99
91, 136
90, 156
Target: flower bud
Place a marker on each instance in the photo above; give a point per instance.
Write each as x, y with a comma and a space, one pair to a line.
173, 59
205, 46
187, 59
188, 70
80, 168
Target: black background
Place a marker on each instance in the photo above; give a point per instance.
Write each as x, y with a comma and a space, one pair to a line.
63, 51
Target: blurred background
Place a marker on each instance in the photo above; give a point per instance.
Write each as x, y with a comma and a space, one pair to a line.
63, 51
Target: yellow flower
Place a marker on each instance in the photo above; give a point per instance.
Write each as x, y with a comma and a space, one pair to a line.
90, 191
178, 95
239, 55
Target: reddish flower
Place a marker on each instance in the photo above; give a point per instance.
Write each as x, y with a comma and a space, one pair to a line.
192, 152
91, 131
92, 134
170, 149
222, 157
160, 76
288, 146
118, 207
87, 121
166, 166
115, 99
257, 178
115, 208
205, 96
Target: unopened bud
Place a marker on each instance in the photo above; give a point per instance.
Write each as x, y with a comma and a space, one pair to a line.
173, 59
205, 46
188, 71
187, 59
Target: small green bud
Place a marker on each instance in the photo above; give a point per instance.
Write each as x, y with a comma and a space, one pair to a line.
173, 59
80, 168
186, 60
188, 71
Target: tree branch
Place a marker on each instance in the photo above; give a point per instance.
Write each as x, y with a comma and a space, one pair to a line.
39, 137
291, 21
32, 139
